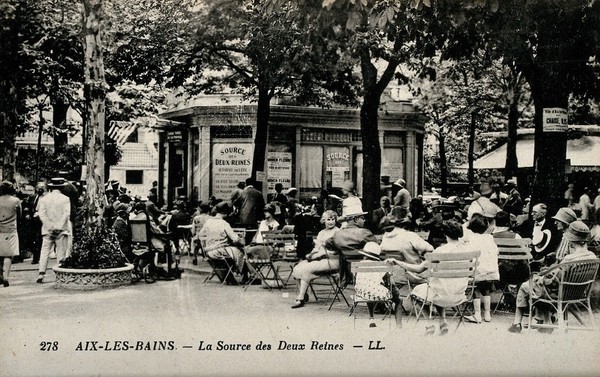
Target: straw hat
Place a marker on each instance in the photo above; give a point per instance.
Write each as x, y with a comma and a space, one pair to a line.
541, 240
371, 250
400, 182
57, 182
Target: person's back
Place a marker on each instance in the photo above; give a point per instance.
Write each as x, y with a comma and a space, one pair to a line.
180, 217
55, 209
409, 244
250, 204
350, 238
200, 219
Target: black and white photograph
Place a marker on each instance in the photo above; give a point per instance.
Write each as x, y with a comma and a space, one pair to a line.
299, 188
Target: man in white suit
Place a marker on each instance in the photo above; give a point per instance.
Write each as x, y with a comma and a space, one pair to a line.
54, 212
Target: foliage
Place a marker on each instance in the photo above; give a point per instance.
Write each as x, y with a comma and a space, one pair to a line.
96, 247
261, 51
49, 162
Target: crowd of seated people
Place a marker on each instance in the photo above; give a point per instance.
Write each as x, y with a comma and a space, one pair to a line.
407, 231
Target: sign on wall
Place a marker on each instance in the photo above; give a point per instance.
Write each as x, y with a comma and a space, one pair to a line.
337, 161
279, 168
231, 163
555, 119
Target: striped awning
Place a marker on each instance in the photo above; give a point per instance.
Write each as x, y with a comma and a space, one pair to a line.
119, 131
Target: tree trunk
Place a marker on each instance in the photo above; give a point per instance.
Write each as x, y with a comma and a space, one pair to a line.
369, 126
470, 156
9, 149
371, 171
549, 157
512, 164
263, 113
443, 164
95, 94
38, 150
59, 121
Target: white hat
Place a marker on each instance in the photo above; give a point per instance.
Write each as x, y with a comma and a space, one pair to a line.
353, 210
400, 182
371, 250
541, 240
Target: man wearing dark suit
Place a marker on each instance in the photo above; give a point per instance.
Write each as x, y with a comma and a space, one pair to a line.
36, 223
385, 207
513, 203
250, 204
537, 224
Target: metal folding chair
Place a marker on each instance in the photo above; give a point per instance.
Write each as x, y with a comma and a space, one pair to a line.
449, 266
283, 249
573, 282
514, 256
330, 280
222, 267
346, 277
373, 267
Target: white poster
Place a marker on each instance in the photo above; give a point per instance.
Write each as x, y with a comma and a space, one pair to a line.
279, 170
555, 119
231, 163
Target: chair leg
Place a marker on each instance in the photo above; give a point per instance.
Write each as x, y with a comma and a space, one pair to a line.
591, 314
313, 291
560, 314
339, 291
255, 275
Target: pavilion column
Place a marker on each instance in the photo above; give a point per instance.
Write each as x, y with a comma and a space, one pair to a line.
203, 179
410, 164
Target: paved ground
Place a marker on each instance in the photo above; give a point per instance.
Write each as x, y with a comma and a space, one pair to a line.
166, 328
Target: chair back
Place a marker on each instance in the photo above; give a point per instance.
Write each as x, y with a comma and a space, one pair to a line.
371, 266
576, 279
139, 232
361, 267
514, 249
453, 265
514, 256
283, 245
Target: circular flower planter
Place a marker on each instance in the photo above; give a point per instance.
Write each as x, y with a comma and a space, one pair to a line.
72, 278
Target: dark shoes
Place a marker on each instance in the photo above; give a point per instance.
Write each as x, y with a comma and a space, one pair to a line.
5, 283
515, 327
40, 279
298, 304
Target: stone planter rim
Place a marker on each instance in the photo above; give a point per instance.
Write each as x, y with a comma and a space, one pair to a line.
91, 279
127, 267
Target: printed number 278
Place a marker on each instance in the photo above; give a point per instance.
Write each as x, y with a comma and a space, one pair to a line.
49, 346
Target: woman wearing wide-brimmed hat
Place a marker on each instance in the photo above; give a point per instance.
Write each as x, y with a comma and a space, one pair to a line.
563, 218
10, 210
374, 285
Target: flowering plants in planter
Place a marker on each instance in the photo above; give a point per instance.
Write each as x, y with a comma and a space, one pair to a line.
96, 247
